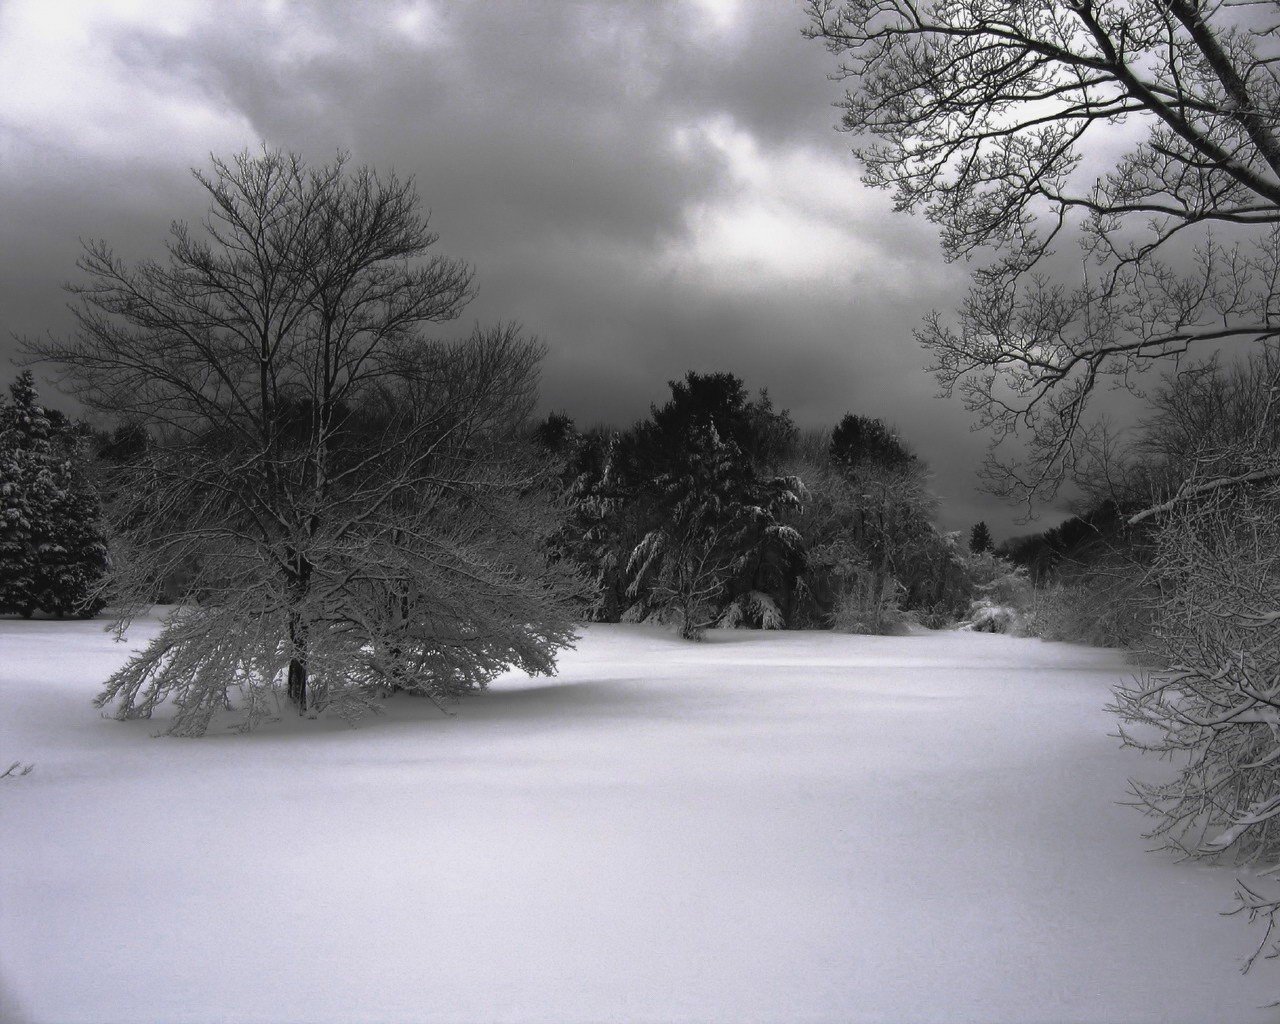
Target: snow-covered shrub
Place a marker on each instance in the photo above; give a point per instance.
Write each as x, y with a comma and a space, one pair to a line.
635, 613
753, 610
1000, 592
1211, 701
1105, 606
1214, 702
869, 603
997, 580
935, 617
985, 616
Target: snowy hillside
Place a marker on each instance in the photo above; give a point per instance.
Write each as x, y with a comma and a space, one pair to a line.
780, 826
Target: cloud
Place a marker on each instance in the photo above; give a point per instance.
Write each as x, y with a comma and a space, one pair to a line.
793, 216
649, 186
67, 92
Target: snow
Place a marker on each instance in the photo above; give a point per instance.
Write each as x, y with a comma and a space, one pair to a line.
763, 826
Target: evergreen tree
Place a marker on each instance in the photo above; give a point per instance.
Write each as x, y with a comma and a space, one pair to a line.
678, 517
862, 441
75, 559
710, 512
25, 494
715, 549
609, 515
556, 433
980, 538
52, 551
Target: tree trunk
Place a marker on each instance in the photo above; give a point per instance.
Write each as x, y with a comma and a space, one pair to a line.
298, 662
298, 586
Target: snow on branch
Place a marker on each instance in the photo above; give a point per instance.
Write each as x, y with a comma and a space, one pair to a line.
1206, 487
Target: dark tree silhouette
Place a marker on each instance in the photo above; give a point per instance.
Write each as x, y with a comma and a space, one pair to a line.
53, 553
860, 441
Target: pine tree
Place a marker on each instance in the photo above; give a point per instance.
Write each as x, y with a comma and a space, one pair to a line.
607, 519
677, 518
74, 559
52, 551
861, 441
980, 538
715, 520
25, 494
685, 563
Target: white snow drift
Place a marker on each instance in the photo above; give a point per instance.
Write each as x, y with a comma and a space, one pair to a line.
765, 826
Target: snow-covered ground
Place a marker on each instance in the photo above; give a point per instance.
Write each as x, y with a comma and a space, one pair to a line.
785, 826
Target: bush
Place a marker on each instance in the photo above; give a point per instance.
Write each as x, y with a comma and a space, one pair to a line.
871, 604
1102, 608
1211, 704
987, 617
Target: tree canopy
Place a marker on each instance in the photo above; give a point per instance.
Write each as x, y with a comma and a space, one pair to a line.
349, 501
990, 115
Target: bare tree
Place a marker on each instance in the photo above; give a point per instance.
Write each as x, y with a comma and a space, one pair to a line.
347, 502
1213, 707
871, 551
685, 569
985, 115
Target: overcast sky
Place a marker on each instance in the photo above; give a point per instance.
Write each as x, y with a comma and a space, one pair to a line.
649, 187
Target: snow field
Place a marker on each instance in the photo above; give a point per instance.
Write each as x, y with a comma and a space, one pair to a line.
765, 826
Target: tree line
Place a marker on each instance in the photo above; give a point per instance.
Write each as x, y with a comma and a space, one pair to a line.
718, 511
714, 511
340, 504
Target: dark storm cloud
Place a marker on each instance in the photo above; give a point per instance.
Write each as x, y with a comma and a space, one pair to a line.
648, 187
